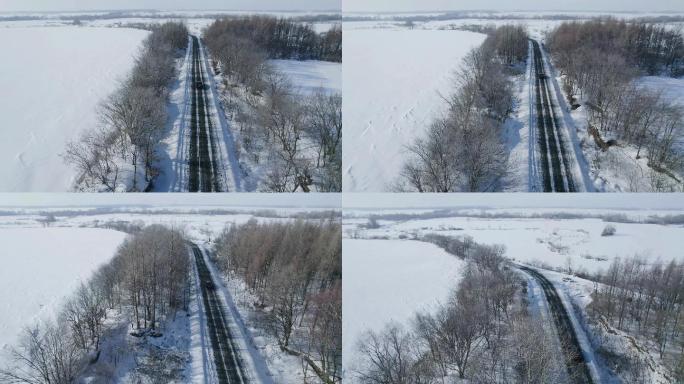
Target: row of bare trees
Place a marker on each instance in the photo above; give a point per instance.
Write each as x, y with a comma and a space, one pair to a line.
645, 299
465, 149
482, 334
282, 38
146, 282
302, 136
653, 48
601, 60
120, 151
298, 136
294, 270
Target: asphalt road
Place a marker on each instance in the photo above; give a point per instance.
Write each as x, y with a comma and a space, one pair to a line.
203, 157
556, 170
227, 361
578, 371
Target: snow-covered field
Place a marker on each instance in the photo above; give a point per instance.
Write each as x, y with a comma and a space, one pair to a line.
672, 88
52, 80
389, 100
41, 267
46, 264
394, 80
312, 76
554, 242
389, 281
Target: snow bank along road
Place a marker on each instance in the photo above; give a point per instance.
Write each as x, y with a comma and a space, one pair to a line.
574, 359
204, 153
228, 364
555, 160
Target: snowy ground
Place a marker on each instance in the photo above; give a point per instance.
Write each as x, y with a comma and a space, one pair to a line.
57, 102
56, 270
312, 76
389, 99
576, 294
389, 281
554, 242
672, 88
391, 94
41, 267
618, 169
53, 80
385, 269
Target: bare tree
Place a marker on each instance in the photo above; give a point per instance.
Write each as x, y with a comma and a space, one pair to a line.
46, 355
391, 357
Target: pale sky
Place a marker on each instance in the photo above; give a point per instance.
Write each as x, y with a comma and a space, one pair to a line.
237, 5
509, 5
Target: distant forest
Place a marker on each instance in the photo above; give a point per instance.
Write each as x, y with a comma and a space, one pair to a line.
282, 38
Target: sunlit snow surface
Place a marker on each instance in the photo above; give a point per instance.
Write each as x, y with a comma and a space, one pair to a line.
389, 281
312, 76
52, 79
394, 81
42, 266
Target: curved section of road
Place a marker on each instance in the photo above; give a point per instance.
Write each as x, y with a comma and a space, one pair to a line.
578, 370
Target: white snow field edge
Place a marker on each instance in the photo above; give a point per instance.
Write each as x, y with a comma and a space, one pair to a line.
391, 94
553, 242
312, 76
388, 281
41, 267
52, 80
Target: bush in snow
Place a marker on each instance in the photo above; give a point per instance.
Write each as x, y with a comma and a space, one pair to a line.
609, 230
372, 223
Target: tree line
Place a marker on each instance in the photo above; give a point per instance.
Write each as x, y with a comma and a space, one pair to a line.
600, 61
146, 282
645, 299
298, 136
465, 149
294, 270
282, 38
653, 48
482, 334
120, 151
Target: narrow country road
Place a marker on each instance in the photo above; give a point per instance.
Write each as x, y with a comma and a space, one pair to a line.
229, 365
578, 371
556, 163
205, 168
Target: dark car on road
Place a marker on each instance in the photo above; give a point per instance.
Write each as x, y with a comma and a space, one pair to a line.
200, 85
209, 284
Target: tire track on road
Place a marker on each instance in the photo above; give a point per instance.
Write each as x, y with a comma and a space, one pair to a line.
578, 370
227, 361
203, 153
557, 175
